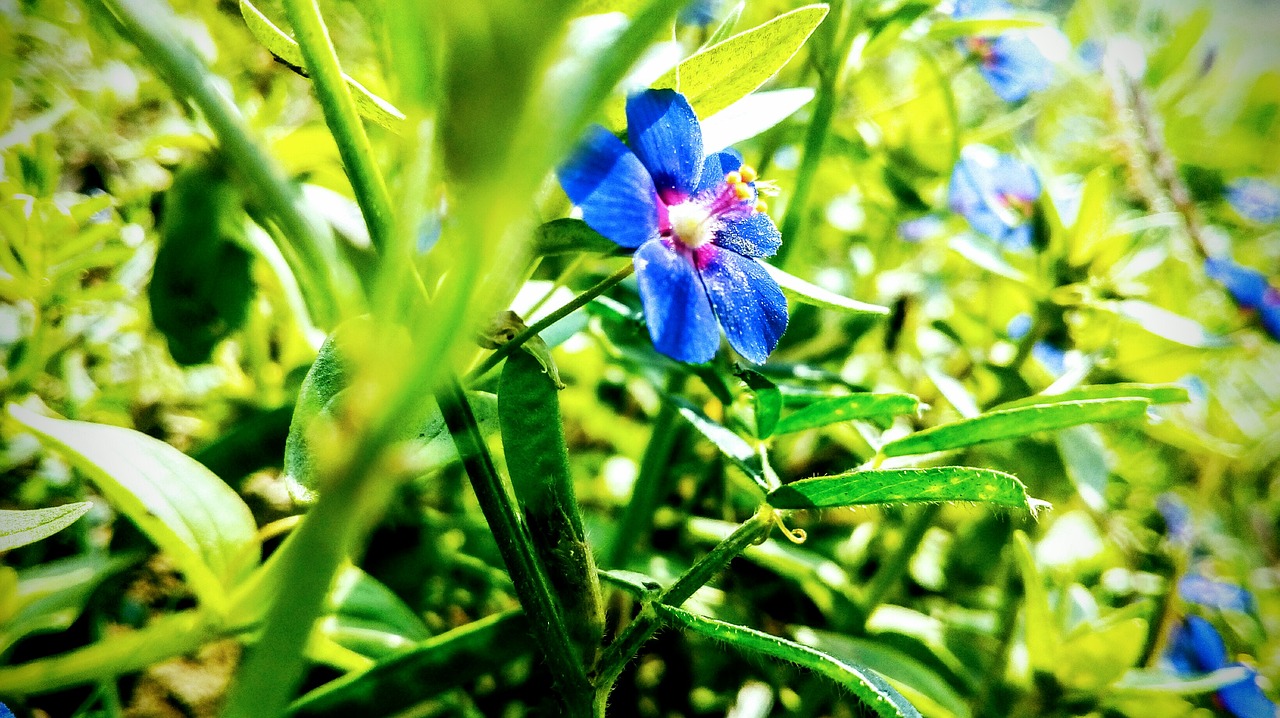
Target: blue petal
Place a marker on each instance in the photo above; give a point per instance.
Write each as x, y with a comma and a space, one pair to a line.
1196, 647
1247, 286
748, 303
1255, 199
716, 167
1177, 518
1016, 68
700, 12
979, 181
752, 236
1198, 589
1246, 699
976, 8
1018, 237
613, 189
1269, 313
675, 304
1017, 178
1051, 357
666, 136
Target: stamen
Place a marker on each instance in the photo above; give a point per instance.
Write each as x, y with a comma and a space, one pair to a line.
761, 206
742, 190
748, 173
732, 178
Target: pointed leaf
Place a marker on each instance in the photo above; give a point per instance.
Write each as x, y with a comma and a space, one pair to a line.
874, 692
768, 400
567, 236
1154, 393
179, 504
734, 447
19, 528
806, 293
1014, 423
893, 486
847, 408
751, 116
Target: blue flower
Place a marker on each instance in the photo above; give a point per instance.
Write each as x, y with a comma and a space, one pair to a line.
696, 224
1177, 518
700, 13
1197, 589
996, 192
1196, 647
1010, 62
1255, 199
1052, 357
1250, 289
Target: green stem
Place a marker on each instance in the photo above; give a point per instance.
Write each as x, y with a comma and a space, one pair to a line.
532, 585
328, 282
537, 327
893, 569
342, 117
637, 518
626, 646
824, 109
1005, 630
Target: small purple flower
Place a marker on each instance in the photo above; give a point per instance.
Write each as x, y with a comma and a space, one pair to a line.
1196, 647
1250, 289
1177, 518
1011, 63
996, 192
696, 224
920, 228
1255, 199
700, 13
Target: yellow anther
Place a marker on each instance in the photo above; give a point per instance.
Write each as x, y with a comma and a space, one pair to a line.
733, 178
761, 207
748, 173
743, 190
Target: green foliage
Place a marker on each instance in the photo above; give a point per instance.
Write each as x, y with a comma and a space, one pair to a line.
889, 486
19, 528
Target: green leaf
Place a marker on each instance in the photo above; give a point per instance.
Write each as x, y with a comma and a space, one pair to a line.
1042, 629
1094, 659
1154, 393
892, 486
1184, 38
868, 686
1014, 423
726, 26
714, 78
752, 115
847, 408
538, 462
19, 528
180, 505
734, 447
767, 398
1145, 680
567, 236
397, 684
369, 105
51, 596
914, 679
952, 28
370, 619
1091, 220
202, 283
806, 293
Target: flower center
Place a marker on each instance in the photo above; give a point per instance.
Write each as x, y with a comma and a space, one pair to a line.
692, 223
982, 47
1020, 206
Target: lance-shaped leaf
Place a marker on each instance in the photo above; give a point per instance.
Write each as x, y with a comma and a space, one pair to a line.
19, 528
720, 75
806, 293
567, 236
1014, 423
734, 447
1154, 393
874, 692
179, 504
767, 398
847, 408
898, 486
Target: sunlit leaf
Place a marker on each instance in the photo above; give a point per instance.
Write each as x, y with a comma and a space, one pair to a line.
892, 486
1154, 393
952, 28
734, 447
802, 291
768, 400
19, 528
750, 116
567, 236
183, 508
868, 686
1014, 423
847, 408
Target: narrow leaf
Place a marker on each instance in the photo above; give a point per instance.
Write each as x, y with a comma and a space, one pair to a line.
953, 28
847, 408
806, 293
399, 683
874, 692
1145, 680
1154, 393
734, 447
19, 528
767, 398
1043, 633
752, 115
1014, 423
891, 486
567, 236
286, 48
180, 505
714, 78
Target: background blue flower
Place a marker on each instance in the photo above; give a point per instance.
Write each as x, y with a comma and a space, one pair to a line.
1196, 647
1250, 289
1010, 62
695, 222
996, 193
1255, 199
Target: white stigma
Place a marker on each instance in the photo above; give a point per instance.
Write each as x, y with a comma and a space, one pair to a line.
692, 224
